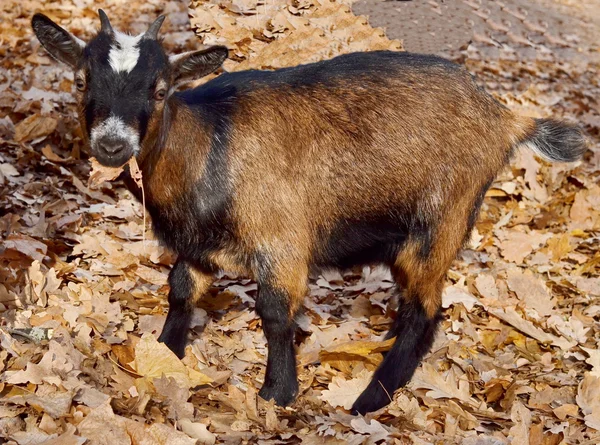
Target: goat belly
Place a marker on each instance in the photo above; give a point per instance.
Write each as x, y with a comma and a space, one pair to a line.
190, 235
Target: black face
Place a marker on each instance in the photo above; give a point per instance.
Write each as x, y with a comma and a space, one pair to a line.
121, 81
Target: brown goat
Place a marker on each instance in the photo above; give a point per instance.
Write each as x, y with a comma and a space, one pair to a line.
377, 157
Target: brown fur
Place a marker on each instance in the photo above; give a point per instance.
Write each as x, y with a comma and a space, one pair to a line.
286, 188
405, 157
202, 282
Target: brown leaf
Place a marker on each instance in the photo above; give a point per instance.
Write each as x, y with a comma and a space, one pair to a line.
588, 399
154, 359
27, 246
100, 173
33, 127
531, 290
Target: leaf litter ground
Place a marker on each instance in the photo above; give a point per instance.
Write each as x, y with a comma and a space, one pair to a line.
83, 282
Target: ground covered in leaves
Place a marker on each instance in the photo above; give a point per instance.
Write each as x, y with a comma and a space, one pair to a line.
83, 283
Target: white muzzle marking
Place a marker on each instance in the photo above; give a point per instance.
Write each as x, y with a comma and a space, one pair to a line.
114, 128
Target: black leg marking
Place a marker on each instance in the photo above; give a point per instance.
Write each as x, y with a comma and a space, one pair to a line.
414, 333
174, 333
281, 381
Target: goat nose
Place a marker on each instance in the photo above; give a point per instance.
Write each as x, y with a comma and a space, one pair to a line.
112, 147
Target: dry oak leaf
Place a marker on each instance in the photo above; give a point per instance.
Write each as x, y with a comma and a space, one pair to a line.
352, 350
374, 429
510, 316
33, 127
410, 410
582, 214
560, 246
516, 246
342, 392
154, 359
594, 360
41, 284
486, 285
100, 173
102, 427
531, 290
177, 397
346, 355
67, 438
442, 387
27, 246
588, 399
197, 431
454, 295
568, 409
521, 416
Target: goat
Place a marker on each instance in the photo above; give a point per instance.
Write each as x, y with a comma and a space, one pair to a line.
368, 158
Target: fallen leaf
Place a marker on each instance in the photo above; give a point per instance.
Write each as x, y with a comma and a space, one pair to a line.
100, 173
442, 386
199, 431
531, 290
155, 360
33, 127
375, 430
521, 416
342, 392
510, 316
588, 399
454, 295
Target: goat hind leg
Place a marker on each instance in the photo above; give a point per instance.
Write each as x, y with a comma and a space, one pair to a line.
414, 329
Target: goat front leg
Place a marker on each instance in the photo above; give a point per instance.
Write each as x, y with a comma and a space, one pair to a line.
280, 295
188, 285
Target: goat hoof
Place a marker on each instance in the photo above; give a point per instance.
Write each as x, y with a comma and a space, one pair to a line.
283, 395
369, 401
177, 347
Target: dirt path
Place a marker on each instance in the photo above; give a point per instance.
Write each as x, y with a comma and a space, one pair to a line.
522, 29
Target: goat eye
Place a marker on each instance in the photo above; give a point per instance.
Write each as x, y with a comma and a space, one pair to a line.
160, 94
80, 84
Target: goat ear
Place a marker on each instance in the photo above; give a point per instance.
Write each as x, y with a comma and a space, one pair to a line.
196, 64
59, 43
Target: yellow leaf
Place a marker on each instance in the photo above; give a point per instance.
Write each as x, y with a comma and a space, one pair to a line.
560, 246
345, 356
154, 359
362, 347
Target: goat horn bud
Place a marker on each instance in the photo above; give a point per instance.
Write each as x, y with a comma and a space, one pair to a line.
152, 32
105, 25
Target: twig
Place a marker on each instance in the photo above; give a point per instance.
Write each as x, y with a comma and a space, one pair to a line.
386, 391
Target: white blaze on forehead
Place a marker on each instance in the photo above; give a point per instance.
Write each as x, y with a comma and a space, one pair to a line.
115, 129
124, 52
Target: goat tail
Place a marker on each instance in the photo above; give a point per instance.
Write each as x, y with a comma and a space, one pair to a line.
554, 140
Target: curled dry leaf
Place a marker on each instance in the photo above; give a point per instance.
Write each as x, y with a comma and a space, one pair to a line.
100, 173
199, 431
